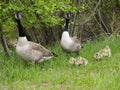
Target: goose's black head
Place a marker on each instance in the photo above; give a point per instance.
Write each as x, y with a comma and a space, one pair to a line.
67, 16
17, 16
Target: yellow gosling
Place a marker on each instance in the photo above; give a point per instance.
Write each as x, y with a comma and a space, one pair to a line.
106, 51
80, 60
85, 62
72, 60
98, 55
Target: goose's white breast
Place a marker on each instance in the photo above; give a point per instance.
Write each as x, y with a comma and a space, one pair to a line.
66, 41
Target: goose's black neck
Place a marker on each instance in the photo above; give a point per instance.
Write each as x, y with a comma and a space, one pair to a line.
20, 28
67, 24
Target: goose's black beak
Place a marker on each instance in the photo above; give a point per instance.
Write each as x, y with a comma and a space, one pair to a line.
54, 54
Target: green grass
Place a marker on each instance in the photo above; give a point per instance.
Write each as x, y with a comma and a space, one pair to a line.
58, 74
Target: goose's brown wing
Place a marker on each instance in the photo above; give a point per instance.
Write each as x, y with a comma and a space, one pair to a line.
40, 48
77, 44
75, 39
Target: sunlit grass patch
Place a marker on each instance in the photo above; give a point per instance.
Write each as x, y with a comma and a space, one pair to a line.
57, 73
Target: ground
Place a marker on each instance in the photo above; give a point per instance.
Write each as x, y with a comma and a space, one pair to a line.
58, 74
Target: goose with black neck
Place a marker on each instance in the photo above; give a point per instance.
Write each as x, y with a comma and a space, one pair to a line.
68, 43
28, 50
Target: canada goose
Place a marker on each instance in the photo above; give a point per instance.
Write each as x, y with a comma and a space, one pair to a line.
78, 61
81, 61
106, 51
98, 55
72, 60
29, 50
69, 44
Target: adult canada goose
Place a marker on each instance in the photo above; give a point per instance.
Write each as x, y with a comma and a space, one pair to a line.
29, 50
68, 43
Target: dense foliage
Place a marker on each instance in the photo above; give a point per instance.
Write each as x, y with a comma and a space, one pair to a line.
45, 18
35, 11
58, 74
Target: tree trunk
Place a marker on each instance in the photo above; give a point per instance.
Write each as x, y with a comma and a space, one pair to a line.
3, 41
